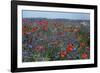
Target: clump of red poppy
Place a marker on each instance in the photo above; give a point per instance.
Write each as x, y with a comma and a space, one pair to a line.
34, 29
69, 47
43, 24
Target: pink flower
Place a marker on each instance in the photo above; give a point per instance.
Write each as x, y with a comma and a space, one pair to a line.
84, 56
70, 47
43, 22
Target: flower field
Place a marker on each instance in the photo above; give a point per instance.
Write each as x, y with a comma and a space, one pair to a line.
55, 39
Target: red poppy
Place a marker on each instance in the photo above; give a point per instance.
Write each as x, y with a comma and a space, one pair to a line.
38, 22
44, 22
45, 28
84, 56
34, 29
69, 47
63, 54
24, 28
